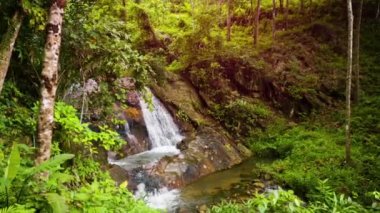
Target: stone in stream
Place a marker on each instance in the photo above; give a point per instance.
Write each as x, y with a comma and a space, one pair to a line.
209, 152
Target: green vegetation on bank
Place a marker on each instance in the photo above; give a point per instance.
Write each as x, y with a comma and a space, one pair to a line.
282, 98
309, 156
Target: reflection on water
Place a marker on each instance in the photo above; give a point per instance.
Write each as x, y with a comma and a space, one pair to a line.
210, 189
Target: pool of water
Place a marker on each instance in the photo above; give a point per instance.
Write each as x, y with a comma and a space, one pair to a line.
215, 187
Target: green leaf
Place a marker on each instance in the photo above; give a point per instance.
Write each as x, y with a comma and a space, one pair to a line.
51, 164
57, 203
81, 196
13, 164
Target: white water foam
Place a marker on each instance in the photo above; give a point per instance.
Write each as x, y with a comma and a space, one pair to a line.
161, 128
164, 134
145, 158
161, 199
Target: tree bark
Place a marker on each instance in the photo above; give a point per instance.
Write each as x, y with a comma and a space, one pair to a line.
7, 45
49, 80
221, 18
356, 93
229, 21
257, 23
286, 14
281, 7
124, 11
302, 6
348, 81
273, 19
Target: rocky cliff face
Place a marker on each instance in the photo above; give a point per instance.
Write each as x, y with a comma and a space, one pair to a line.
207, 147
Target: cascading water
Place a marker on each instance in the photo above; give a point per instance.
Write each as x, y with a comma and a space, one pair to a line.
130, 137
163, 134
161, 127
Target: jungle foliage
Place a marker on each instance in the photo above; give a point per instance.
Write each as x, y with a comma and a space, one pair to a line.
282, 98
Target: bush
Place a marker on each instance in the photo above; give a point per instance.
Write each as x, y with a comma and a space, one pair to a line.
71, 130
22, 191
241, 117
282, 201
307, 155
16, 118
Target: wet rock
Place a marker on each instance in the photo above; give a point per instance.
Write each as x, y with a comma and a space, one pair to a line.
126, 83
134, 114
209, 152
182, 145
202, 209
183, 101
118, 174
133, 98
133, 131
140, 176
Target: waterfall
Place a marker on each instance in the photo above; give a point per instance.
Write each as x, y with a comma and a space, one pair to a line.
160, 125
163, 134
130, 137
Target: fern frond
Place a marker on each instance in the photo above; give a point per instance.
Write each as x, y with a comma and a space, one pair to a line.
7, 210
57, 203
17, 209
13, 164
50, 165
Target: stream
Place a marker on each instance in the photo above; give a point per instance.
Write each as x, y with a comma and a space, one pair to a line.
164, 135
216, 187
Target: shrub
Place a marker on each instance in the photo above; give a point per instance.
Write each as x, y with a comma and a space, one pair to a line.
71, 130
284, 201
241, 117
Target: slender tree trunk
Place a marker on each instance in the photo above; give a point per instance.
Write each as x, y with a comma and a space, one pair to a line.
193, 13
310, 10
281, 7
356, 93
302, 6
221, 18
286, 14
229, 17
49, 79
348, 80
124, 11
273, 20
252, 14
7, 45
378, 10
257, 23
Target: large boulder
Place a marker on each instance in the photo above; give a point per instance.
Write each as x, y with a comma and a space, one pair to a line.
183, 101
210, 151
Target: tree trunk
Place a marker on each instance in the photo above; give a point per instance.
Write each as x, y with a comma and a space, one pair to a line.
7, 45
356, 92
273, 19
302, 6
348, 81
281, 7
286, 14
221, 18
49, 80
124, 11
229, 17
310, 10
257, 23
378, 10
